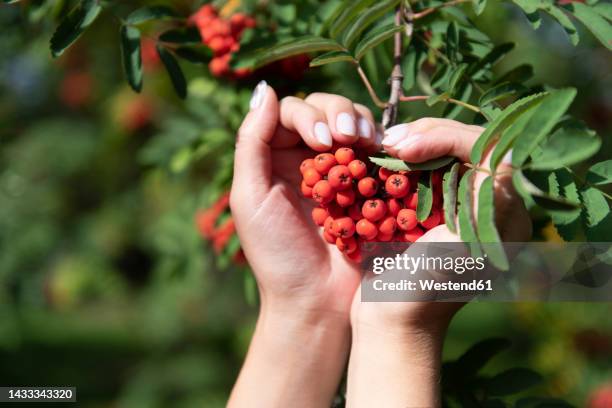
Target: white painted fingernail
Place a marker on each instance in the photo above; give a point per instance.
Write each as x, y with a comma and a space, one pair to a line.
409, 140
507, 157
365, 131
258, 95
322, 133
394, 134
346, 124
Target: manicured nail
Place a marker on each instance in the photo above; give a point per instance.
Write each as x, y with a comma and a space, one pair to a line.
346, 124
394, 134
507, 159
322, 133
365, 131
258, 95
408, 141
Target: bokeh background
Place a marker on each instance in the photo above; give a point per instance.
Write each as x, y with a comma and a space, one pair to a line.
110, 279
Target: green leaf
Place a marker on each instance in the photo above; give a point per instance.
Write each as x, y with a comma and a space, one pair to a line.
350, 10
595, 205
545, 116
188, 35
567, 146
529, 190
512, 381
508, 137
530, 7
487, 230
130, 52
296, 46
425, 196
452, 110
393, 164
411, 65
519, 74
491, 58
500, 91
174, 71
73, 25
331, 57
561, 184
374, 38
479, 6
466, 210
196, 54
506, 118
600, 173
597, 24
449, 191
149, 13
604, 10
435, 99
365, 19
456, 77
452, 42
473, 360
565, 22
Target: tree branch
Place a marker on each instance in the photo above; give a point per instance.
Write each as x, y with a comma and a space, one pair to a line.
377, 101
390, 112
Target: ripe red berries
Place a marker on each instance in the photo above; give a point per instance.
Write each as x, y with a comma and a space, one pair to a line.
311, 177
324, 161
407, 219
344, 155
322, 192
367, 187
374, 210
340, 177
358, 169
397, 185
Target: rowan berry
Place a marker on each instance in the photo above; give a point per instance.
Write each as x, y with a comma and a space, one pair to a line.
319, 215
306, 190
328, 224
339, 177
407, 219
334, 209
397, 185
343, 227
384, 237
411, 201
354, 211
347, 245
366, 229
306, 164
322, 192
387, 226
384, 174
433, 219
329, 237
367, 186
311, 177
344, 155
394, 206
413, 234
323, 162
374, 210
345, 198
358, 169
355, 256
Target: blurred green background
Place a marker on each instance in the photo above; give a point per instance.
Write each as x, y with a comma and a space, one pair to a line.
105, 281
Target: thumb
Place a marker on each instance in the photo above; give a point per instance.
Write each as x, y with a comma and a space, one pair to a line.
252, 162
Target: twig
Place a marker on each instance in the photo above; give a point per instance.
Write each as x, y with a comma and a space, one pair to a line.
390, 112
449, 100
377, 101
404, 98
430, 10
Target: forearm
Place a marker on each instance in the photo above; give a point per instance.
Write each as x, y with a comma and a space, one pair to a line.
293, 360
394, 368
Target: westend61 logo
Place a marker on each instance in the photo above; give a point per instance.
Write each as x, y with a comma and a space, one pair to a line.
411, 264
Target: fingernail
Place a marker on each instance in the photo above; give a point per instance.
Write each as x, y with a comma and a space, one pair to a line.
258, 95
322, 134
394, 134
507, 157
346, 124
365, 131
409, 140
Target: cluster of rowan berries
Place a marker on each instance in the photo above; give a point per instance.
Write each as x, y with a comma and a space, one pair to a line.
222, 36
359, 202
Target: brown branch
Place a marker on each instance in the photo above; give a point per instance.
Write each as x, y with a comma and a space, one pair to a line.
390, 112
404, 98
430, 10
377, 101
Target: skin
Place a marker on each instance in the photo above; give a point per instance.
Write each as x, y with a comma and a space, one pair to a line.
311, 315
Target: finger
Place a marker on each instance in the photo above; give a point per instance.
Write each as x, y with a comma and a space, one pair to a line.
310, 123
429, 138
366, 127
341, 115
252, 170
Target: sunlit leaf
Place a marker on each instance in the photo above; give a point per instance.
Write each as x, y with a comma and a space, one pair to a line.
374, 38
449, 191
365, 19
486, 228
600, 173
296, 46
425, 196
592, 20
331, 57
566, 146
400, 165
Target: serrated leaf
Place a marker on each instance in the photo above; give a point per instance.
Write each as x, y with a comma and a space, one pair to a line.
500, 91
530, 7
466, 210
174, 71
296, 46
149, 13
349, 11
600, 173
425, 196
131, 56
376, 37
479, 6
456, 78
561, 184
197, 54
508, 138
604, 10
73, 25
331, 57
365, 19
473, 360
506, 118
449, 191
592, 20
486, 228
393, 164
544, 118
528, 190
518, 74
565, 22
566, 146
595, 205
512, 381
188, 35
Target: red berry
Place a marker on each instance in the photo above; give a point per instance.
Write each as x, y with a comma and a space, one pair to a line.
433, 220
344, 155
219, 66
328, 224
311, 177
324, 162
347, 245
329, 237
355, 256
384, 174
387, 226
319, 215
358, 169
366, 229
339, 177
367, 186
345, 198
354, 211
219, 45
411, 201
306, 191
322, 192
306, 164
397, 185
343, 227
374, 210
407, 219
334, 209
394, 206
413, 234
384, 237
